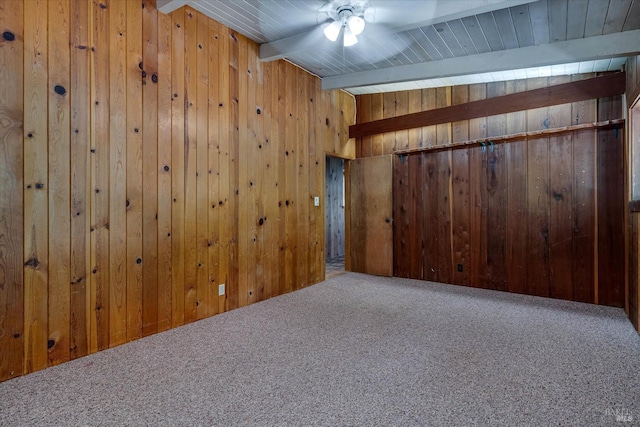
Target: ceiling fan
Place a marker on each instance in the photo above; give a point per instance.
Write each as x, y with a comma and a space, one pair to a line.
347, 18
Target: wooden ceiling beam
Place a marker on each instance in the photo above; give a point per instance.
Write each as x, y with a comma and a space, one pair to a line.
598, 87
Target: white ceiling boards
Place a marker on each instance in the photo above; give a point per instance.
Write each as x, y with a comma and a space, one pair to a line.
426, 43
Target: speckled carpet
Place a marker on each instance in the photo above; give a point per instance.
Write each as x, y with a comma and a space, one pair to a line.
356, 350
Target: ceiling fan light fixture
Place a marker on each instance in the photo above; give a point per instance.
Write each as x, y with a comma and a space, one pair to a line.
349, 38
356, 24
332, 31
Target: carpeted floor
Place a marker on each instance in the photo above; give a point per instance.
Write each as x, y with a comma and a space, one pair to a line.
356, 350
334, 267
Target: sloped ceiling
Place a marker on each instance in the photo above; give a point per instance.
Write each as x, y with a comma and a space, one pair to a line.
427, 43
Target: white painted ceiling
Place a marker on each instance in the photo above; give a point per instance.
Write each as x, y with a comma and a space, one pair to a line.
429, 43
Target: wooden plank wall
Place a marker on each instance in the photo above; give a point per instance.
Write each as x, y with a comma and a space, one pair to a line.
632, 68
632, 164
537, 216
145, 159
334, 207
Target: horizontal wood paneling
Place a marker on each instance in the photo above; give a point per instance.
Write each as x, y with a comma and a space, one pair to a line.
158, 153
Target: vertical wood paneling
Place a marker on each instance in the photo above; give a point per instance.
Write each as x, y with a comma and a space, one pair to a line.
224, 109
478, 192
213, 143
269, 107
517, 229
12, 320
234, 174
243, 172
201, 108
290, 218
190, 164
537, 199
560, 201
416, 247
178, 165
535, 216
584, 210
130, 140
36, 186
117, 178
149, 168
100, 180
164, 172
80, 174
134, 170
254, 185
401, 217
460, 221
610, 205
302, 182
59, 183
497, 185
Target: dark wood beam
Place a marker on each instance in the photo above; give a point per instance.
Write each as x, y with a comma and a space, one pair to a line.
598, 87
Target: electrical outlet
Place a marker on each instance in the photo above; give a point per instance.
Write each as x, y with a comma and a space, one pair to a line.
221, 289
316, 201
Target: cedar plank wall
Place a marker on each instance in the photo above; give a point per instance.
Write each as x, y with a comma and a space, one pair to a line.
541, 216
145, 159
632, 164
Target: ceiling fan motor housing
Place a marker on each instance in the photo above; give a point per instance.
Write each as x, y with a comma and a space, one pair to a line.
340, 10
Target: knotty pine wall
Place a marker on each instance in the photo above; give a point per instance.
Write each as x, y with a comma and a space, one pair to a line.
144, 160
542, 217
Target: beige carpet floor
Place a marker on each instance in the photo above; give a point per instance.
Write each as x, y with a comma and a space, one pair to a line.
356, 350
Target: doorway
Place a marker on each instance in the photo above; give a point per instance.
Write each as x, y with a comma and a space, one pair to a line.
334, 216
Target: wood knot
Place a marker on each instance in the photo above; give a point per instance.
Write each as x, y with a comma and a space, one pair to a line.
261, 221
166, 168
259, 111
138, 260
8, 36
32, 262
39, 186
558, 196
154, 78
60, 90
50, 344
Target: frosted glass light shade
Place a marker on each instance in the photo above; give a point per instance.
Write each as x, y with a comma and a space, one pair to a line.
349, 38
356, 24
332, 31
